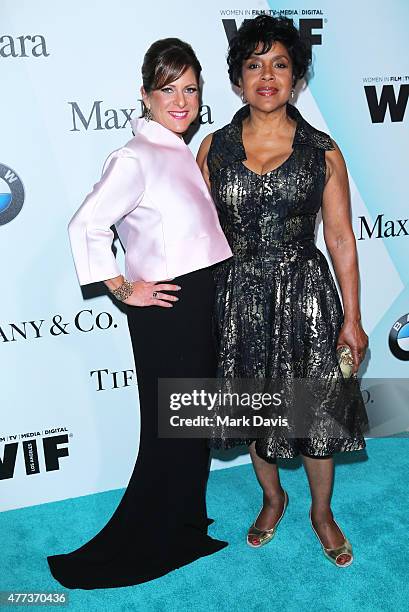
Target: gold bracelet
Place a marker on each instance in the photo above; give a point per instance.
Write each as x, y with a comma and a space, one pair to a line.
124, 291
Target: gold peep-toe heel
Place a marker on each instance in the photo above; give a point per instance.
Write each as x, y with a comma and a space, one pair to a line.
265, 535
333, 554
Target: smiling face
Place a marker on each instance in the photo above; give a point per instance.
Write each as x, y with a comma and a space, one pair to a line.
176, 104
267, 79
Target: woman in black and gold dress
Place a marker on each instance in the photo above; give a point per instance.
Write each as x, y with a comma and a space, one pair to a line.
278, 313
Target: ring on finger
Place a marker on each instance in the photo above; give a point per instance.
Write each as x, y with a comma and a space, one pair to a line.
155, 294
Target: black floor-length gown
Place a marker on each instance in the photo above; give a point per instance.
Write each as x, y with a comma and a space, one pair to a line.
278, 314
161, 522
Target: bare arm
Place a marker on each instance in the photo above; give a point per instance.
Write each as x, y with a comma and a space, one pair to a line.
341, 245
201, 158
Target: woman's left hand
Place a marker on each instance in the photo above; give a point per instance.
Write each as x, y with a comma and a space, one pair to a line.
353, 335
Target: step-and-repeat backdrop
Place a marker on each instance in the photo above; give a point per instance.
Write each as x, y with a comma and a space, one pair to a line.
70, 75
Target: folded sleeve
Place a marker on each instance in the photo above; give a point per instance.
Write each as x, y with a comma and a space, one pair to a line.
118, 192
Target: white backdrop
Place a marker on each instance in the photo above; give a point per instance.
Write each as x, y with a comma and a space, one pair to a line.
69, 414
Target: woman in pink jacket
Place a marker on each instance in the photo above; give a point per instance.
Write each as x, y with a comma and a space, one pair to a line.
153, 192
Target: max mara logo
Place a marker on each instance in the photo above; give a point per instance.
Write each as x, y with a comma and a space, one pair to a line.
96, 117
383, 228
33, 45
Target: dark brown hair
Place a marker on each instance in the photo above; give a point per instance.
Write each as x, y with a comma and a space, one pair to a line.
165, 61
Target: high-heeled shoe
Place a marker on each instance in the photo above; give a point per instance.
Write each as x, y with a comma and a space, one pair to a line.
333, 554
265, 535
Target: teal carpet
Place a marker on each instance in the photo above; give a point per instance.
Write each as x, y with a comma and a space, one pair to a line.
371, 503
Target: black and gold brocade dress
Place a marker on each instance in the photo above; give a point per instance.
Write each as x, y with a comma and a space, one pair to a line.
278, 313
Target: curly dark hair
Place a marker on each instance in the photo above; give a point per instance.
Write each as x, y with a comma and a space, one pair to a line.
267, 30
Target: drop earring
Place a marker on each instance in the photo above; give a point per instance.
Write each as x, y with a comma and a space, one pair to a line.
292, 94
242, 96
148, 114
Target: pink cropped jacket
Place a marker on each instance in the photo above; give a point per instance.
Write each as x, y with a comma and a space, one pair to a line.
153, 192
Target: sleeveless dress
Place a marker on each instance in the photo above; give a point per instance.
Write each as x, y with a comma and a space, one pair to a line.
277, 310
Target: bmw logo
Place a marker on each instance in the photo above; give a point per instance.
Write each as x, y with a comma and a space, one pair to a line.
399, 338
11, 194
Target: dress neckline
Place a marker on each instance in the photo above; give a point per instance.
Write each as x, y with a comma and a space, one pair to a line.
290, 114
231, 149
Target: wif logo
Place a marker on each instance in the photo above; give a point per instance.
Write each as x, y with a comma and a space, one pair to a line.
51, 452
306, 27
392, 97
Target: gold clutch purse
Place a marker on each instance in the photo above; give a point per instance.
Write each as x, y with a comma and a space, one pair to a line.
345, 360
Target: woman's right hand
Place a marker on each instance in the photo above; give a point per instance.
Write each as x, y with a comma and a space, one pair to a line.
142, 294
